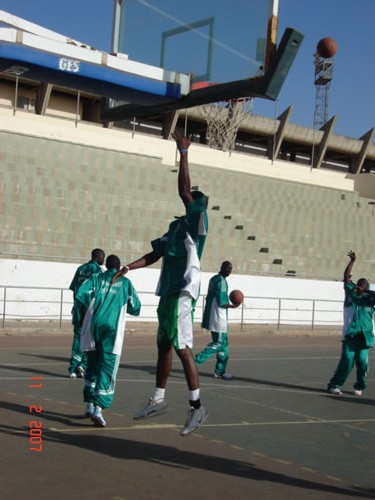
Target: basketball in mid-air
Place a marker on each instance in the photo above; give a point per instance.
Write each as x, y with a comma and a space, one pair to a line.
236, 297
326, 47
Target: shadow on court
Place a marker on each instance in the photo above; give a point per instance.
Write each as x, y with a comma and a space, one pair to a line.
275, 435
172, 460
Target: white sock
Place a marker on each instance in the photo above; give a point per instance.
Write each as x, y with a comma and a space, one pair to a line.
159, 393
194, 395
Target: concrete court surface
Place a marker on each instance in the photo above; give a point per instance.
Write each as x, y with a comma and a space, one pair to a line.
273, 431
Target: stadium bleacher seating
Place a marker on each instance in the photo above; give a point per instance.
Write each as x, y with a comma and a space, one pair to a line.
59, 197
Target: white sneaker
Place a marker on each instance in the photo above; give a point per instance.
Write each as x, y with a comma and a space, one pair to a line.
72, 375
97, 417
80, 372
334, 390
195, 418
357, 392
89, 410
224, 376
151, 409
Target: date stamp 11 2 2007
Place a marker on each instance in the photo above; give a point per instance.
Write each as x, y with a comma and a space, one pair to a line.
36, 426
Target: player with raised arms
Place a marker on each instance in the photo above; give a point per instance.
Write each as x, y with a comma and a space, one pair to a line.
181, 249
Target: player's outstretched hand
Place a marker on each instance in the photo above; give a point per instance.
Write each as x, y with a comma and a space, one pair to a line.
234, 305
182, 142
352, 256
118, 275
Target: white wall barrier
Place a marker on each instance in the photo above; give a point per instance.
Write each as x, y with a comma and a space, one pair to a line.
36, 290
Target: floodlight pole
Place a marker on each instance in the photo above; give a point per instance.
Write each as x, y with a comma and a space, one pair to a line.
322, 82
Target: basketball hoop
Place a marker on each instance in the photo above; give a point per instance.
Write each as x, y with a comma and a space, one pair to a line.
223, 120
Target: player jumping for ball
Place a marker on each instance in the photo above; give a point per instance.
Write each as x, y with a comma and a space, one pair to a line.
181, 248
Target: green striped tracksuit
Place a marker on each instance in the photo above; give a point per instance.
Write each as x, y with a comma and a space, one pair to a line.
103, 332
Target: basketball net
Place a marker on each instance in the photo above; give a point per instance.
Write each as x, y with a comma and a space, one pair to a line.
223, 120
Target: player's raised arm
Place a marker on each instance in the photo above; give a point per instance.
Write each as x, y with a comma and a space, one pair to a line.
184, 186
348, 269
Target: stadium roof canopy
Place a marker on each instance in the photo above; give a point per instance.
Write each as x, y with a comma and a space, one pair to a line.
35, 53
39, 57
38, 54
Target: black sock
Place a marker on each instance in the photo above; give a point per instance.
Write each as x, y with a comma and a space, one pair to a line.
195, 404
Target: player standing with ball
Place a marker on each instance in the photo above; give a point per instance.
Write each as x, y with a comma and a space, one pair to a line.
215, 319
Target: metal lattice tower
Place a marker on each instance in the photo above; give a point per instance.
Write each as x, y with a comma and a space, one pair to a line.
323, 78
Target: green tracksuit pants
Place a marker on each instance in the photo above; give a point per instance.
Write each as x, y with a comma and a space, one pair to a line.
78, 358
354, 350
218, 346
100, 377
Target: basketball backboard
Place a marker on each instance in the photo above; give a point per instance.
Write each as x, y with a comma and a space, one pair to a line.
167, 55
227, 48
213, 41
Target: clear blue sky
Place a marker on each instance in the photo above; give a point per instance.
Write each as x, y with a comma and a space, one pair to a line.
349, 22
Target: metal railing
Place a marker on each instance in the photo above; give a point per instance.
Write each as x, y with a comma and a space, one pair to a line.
29, 304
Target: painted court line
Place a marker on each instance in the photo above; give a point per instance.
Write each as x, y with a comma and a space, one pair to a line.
4, 365
50, 348
60, 378
234, 424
